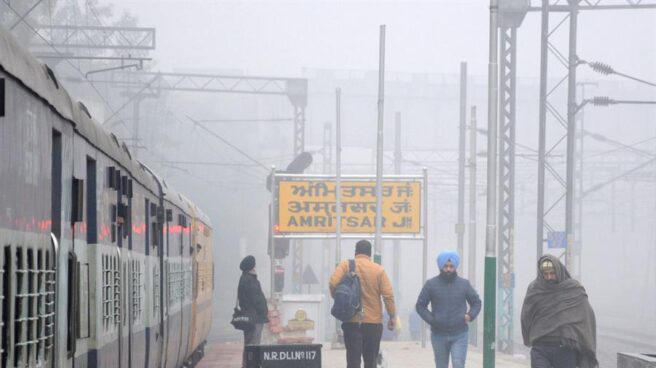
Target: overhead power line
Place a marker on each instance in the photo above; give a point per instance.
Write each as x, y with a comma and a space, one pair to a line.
258, 163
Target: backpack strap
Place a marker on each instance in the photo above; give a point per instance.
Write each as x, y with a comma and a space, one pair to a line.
352, 270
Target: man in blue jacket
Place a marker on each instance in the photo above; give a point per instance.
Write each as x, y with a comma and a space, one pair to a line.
448, 317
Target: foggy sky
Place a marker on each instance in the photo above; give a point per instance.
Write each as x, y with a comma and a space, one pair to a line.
281, 37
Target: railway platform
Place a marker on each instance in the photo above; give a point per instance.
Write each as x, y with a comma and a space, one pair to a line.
398, 354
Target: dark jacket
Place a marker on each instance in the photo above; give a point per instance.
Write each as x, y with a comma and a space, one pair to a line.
448, 301
251, 297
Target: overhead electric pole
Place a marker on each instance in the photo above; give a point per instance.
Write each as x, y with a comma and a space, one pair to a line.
460, 225
378, 246
471, 257
398, 158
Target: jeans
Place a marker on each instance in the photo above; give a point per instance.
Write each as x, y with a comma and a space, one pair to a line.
362, 342
251, 337
543, 356
454, 345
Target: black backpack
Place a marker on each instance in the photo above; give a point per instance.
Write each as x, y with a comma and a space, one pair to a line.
348, 296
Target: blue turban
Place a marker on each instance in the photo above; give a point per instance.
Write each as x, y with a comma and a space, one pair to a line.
448, 256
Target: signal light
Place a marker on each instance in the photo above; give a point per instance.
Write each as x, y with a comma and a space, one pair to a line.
278, 279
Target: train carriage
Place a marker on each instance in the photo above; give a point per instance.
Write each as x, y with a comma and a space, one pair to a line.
101, 263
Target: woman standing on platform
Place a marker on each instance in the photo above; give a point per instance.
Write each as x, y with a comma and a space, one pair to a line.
252, 300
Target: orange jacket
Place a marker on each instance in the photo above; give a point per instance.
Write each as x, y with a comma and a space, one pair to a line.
375, 285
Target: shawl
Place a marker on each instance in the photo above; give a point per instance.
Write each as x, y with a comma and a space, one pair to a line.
561, 309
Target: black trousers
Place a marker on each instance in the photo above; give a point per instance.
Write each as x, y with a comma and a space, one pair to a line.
251, 337
362, 342
553, 357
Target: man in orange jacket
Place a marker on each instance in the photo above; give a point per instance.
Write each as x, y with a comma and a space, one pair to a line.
362, 334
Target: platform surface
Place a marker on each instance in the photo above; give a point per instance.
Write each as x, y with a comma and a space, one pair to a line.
400, 354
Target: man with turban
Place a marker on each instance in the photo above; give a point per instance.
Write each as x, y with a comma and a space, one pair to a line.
251, 300
558, 322
448, 317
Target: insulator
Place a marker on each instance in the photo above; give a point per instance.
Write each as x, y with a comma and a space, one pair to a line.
601, 68
598, 137
602, 101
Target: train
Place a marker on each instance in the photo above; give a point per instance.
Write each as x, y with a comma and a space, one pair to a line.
102, 263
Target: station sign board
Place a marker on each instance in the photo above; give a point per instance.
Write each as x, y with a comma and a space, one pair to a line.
283, 356
310, 206
557, 240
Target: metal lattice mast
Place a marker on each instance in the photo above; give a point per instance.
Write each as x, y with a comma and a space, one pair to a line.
551, 109
506, 190
512, 15
299, 146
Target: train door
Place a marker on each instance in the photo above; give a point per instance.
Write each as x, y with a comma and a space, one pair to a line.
166, 284
126, 310
122, 276
185, 292
55, 215
122, 216
82, 224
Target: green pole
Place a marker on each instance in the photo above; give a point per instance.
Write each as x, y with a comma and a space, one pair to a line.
489, 312
489, 315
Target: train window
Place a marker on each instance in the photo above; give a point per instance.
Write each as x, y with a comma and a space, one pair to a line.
129, 188
56, 189
169, 215
2, 97
110, 176
182, 220
77, 202
137, 291
147, 226
122, 213
154, 234
92, 220
117, 180
155, 290
107, 295
124, 185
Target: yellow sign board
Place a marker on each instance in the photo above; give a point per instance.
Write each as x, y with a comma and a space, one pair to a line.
309, 206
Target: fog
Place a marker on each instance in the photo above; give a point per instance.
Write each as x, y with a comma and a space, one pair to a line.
334, 44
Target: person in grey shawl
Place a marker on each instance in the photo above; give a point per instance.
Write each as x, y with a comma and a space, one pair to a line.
558, 322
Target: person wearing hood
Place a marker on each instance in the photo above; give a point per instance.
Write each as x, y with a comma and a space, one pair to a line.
558, 322
448, 295
252, 300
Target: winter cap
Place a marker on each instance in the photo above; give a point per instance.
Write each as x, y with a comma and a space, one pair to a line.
546, 265
448, 256
247, 264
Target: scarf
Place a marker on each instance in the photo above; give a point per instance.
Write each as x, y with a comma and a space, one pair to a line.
561, 309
